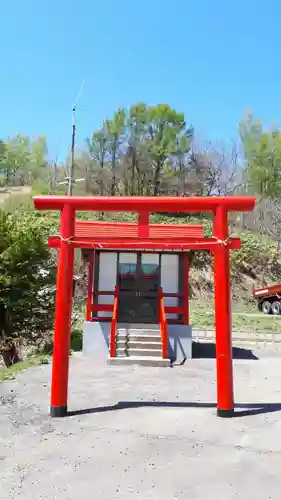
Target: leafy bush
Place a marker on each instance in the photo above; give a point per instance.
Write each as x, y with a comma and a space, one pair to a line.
76, 341
256, 258
27, 279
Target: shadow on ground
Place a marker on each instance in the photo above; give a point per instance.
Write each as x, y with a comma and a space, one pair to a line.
208, 351
199, 350
241, 410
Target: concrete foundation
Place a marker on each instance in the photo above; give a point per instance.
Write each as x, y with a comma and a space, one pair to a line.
96, 340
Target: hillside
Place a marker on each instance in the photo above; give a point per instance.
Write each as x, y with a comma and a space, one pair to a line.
24, 254
255, 264
258, 262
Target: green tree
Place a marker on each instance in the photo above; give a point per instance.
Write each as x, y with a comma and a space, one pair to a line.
137, 149
141, 148
26, 278
262, 152
98, 148
2, 162
115, 130
37, 161
17, 158
168, 137
25, 160
2, 151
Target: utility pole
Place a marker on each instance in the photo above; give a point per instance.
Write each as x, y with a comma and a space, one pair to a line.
71, 166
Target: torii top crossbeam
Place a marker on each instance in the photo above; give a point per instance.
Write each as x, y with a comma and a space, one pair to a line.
151, 204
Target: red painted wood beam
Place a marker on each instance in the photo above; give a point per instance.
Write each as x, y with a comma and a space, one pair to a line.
61, 349
131, 244
143, 225
102, 307
90, 287
105, 224
186, 288
174, 310
124, 239
225, 397
145, 203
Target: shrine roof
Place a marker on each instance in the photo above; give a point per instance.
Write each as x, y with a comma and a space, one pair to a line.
133, 236
112, 230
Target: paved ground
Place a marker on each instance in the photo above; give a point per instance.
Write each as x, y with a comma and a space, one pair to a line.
146, 433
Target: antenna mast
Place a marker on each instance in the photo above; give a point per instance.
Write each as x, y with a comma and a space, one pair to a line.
71, 166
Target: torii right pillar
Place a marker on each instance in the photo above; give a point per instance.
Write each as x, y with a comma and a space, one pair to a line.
225, 396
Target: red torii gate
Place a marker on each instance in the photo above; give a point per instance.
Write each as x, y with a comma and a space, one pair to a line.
219, 206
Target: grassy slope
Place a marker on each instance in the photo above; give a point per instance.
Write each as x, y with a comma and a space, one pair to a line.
256, 264
245, 318
11, 372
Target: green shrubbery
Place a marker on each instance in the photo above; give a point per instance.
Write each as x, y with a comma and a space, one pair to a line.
28, 268
76, 342
27, 278
257, 259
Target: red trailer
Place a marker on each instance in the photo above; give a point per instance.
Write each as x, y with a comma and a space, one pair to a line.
269, 299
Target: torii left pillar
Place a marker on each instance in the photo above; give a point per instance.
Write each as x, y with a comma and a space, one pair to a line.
62, 329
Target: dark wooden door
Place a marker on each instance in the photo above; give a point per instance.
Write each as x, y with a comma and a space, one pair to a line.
138, 283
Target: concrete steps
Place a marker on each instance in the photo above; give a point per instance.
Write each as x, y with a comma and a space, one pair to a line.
145, 352
139, 360
139, 344
140, 338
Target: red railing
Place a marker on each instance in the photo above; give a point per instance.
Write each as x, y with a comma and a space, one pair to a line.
113, 329
90, 288
163, 325
96, 308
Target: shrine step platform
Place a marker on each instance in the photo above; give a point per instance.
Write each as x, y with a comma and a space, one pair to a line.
139, 344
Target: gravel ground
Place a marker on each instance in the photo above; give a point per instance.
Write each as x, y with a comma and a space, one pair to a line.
143, 433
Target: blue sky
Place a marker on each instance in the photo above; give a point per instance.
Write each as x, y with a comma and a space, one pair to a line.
211, 59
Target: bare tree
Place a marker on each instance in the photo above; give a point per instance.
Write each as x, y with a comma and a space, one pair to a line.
265, 219
212, 170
